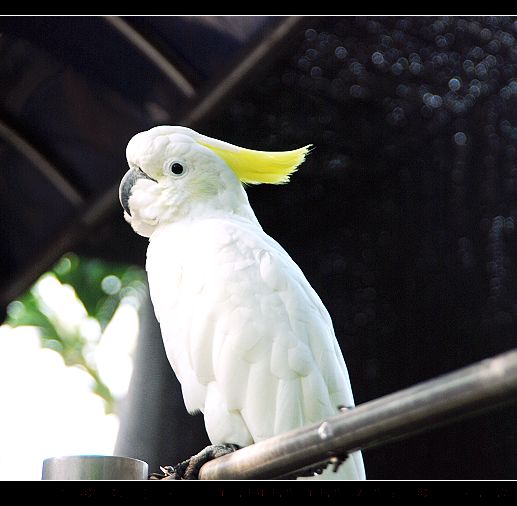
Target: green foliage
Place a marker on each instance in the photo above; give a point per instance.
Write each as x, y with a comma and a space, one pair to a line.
100, 287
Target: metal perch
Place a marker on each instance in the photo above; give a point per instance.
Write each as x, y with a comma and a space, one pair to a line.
459, 394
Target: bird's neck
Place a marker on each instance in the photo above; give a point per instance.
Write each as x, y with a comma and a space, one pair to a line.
231, 204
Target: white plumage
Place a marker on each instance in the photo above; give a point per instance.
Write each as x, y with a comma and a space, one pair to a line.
248, 338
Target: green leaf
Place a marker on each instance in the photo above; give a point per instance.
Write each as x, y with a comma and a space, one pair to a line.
30, 314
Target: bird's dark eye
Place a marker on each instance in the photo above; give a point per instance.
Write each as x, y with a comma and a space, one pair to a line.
176, 168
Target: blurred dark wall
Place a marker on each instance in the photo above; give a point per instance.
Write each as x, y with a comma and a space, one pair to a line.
403, 217
155, 426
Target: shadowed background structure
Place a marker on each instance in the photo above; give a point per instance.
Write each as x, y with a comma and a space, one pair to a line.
402, 218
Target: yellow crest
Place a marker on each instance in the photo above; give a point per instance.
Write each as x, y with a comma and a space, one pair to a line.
255, 167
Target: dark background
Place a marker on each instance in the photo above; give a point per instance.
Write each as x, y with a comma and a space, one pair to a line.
402, 218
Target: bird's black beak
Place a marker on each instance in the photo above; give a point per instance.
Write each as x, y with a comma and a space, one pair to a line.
129, 179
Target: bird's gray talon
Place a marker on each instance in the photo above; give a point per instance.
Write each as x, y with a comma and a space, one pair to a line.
189, 469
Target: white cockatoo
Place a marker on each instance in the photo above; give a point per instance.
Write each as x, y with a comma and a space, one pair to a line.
247, 336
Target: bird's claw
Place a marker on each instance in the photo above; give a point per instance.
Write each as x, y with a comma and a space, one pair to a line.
189, 469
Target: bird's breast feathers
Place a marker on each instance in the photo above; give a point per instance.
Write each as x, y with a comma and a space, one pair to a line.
236, 310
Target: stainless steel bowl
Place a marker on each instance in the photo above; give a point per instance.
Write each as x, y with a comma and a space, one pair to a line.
94, 467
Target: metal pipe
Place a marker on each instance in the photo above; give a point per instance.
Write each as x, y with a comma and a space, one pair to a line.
456, 395
152, 54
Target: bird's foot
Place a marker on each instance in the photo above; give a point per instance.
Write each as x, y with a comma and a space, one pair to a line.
189, 469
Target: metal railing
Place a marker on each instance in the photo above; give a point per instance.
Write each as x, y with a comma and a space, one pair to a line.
460, 394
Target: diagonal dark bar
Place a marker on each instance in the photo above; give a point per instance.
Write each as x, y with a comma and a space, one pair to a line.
52, 173
153, 54
460, 394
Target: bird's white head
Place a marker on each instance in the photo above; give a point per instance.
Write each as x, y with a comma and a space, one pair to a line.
177, 174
